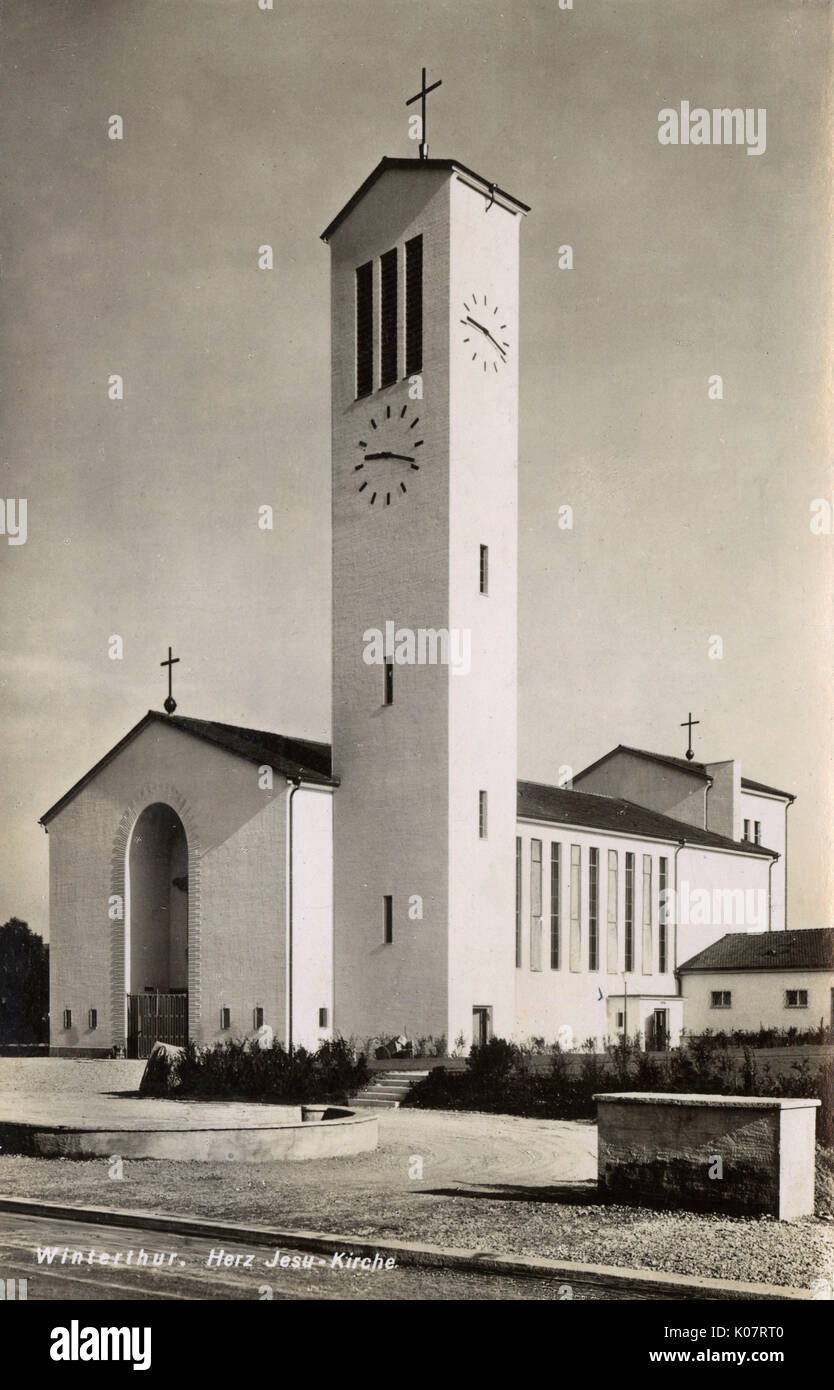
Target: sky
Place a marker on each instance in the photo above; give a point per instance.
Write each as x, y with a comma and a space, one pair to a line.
245, 127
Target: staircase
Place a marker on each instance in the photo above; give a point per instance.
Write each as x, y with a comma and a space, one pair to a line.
387, 1089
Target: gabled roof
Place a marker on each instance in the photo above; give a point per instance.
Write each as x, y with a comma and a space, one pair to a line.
682, 765
417, 165
778, 950
616, 816
292, 757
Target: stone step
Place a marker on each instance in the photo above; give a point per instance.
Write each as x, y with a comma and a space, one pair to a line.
369, 1102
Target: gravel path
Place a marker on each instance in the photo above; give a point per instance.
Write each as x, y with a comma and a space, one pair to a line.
497, 1182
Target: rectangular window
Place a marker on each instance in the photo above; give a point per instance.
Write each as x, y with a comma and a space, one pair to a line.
663, 916
414, 305
322, 1018
225, 1018
555, 906
365, 329
757, 832
535, 904
92, 1019
629, 911
389, 318
484, 569
721, 999
612, 947
796, 998
387, 919
647, 914
518, 902
620, 1019
388, 685
257, 1017
67, 1018
575, 907
482, 815
593, 909
747, 830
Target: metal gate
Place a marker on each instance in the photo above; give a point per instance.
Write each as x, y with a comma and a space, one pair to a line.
155, 1018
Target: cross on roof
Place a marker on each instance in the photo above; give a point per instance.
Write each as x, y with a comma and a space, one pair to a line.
688, 724
170, 704
421, 97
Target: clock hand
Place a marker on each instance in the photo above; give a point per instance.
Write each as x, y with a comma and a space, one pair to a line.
387, 454
486, 334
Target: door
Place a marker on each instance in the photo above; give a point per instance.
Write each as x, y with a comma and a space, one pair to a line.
156, 1018
660, 1029
481, 1024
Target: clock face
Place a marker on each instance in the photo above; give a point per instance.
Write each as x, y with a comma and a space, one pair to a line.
388, 455
484, 333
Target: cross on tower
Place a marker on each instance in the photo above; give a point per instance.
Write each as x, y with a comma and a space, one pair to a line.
170, 704
688, 724
421, 97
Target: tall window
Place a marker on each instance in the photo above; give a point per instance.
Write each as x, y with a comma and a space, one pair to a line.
484, 569
388, 688
629, 911
575, 907
647, 914
757, 832
593, 909
612, 949
482, 815
663, 918
414, 305
518, 902
387, 919
388, 318
555, 906
535, 904
747, 830
365, 329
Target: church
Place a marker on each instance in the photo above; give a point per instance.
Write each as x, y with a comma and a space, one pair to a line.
207, 880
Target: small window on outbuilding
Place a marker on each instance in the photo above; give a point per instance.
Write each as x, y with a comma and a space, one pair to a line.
721, 999
796, 998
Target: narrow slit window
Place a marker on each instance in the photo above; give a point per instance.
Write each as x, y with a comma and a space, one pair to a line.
92, 1020
555, 906
414, 305
593, 909
629, 912
518, 902
575, 960
388, 690
258, 1016
484, 569
648, 944
67, 1018
225, 1018
535, 904
365, 329
482, 815
612, 949
388, 318
387, 919
663, 916
322, 1018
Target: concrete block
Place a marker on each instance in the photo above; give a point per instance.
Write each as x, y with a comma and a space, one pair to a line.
744, 1155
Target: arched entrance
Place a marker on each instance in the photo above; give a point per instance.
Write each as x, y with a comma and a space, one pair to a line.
157, 930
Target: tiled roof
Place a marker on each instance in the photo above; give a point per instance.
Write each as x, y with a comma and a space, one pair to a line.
291, 757
614, 815
748, 785
779, 950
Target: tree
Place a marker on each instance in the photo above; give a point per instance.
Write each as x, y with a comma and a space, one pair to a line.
24, 984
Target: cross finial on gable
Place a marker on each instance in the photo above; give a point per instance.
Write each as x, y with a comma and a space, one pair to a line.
688, 724
421, 97
170, 704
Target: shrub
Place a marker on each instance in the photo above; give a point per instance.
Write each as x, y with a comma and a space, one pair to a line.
236, 1068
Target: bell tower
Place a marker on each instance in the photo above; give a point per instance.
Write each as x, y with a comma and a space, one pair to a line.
424, 321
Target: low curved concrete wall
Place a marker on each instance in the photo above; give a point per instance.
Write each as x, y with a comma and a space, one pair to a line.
342, 1133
